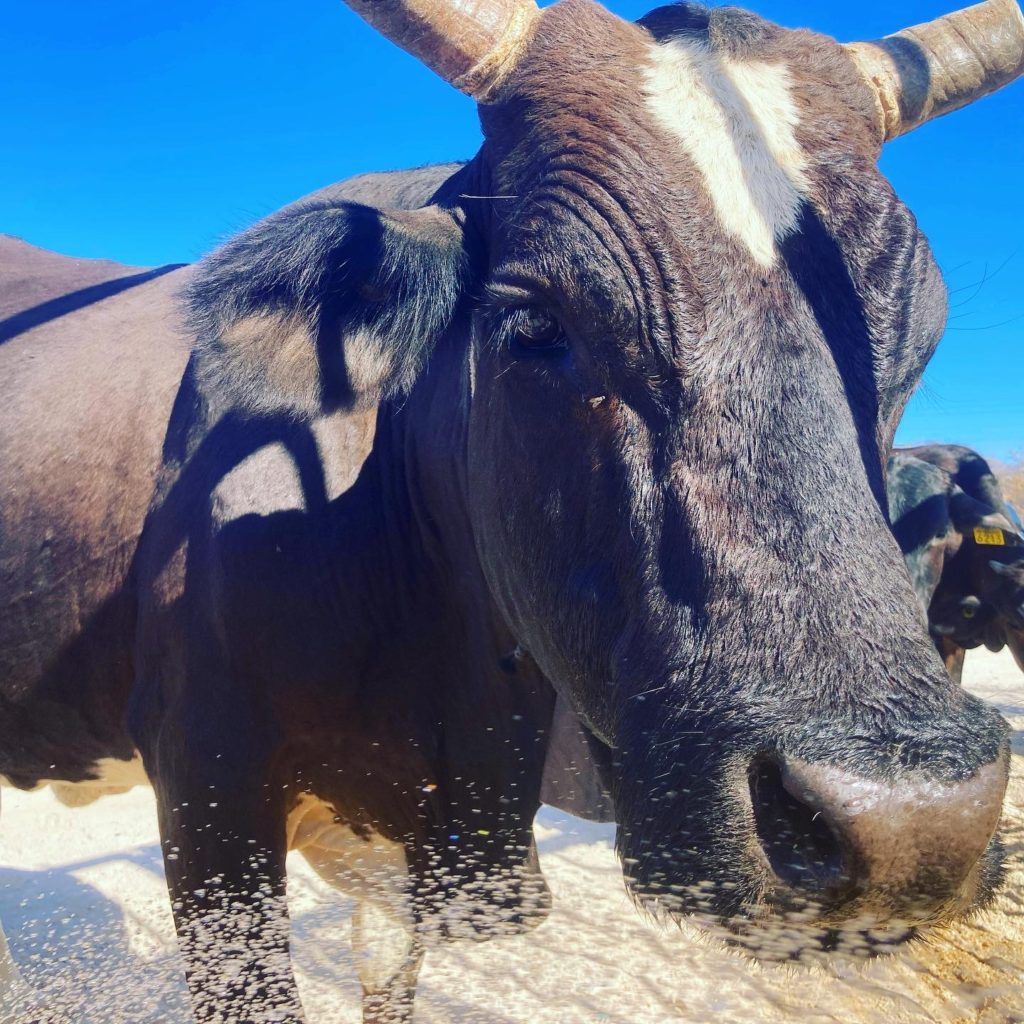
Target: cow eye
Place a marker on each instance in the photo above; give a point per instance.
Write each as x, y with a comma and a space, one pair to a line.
535, 331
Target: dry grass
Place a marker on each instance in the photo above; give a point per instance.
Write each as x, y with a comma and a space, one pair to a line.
1012, 480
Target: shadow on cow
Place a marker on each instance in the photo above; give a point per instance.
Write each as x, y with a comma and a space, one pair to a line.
445, 761
620, 439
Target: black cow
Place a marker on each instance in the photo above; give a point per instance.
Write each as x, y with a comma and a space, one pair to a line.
605, 418
450, 757
964, 550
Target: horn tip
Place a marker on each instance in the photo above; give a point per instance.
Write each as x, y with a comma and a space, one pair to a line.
485, 80
929, 70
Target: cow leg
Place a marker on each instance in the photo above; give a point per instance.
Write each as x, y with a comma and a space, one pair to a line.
388, 958
374, 872
1015, 641
224, 852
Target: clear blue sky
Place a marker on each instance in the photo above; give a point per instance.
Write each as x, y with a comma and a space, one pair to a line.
148, 132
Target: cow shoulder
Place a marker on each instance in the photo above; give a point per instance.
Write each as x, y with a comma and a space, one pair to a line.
919, 509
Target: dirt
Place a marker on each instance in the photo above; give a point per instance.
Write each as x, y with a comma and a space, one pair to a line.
83, 902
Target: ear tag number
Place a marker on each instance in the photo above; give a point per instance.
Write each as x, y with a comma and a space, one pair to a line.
990, 538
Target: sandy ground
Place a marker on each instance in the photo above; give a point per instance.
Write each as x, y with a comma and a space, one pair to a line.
83, 900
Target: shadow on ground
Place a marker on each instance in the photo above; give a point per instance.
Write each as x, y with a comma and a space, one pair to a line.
82, 953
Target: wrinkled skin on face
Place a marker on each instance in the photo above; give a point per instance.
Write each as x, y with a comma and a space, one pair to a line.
680, 467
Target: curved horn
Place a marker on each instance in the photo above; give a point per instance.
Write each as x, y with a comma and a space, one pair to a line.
932, 69
473, 44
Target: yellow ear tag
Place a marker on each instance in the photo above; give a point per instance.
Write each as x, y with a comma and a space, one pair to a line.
990, 538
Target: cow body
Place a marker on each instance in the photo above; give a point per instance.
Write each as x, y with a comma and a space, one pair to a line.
69, 537
586, 423
396, 733
963, 549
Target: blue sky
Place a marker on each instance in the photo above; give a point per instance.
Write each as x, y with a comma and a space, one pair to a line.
147, 133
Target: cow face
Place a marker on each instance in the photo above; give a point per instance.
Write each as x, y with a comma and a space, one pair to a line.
980, 599
686, 375
1005, 592
685, 311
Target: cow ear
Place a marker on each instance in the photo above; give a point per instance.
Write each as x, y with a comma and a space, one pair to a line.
325, 305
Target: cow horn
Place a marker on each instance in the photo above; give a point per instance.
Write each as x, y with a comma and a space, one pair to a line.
472, 44
932, 69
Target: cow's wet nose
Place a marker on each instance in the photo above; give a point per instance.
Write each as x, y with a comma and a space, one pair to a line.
911, 845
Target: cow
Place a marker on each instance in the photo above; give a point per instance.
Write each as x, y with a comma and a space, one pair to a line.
585, 422
963, 549
74, 734
77, 305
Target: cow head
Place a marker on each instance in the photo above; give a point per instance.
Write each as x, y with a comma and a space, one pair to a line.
684, 311
981, 598
1004, 593
1004, 584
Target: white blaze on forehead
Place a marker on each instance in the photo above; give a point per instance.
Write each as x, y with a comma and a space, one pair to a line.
737, 122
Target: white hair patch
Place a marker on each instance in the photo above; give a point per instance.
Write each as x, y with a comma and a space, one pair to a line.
737, 122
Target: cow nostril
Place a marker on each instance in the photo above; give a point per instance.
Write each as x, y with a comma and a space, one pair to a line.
801, 847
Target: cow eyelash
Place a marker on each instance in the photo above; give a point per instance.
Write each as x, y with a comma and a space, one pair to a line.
534, 331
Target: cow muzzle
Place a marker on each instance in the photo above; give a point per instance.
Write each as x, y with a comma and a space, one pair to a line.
877, 858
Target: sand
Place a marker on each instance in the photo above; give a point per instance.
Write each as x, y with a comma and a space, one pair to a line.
83, 902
